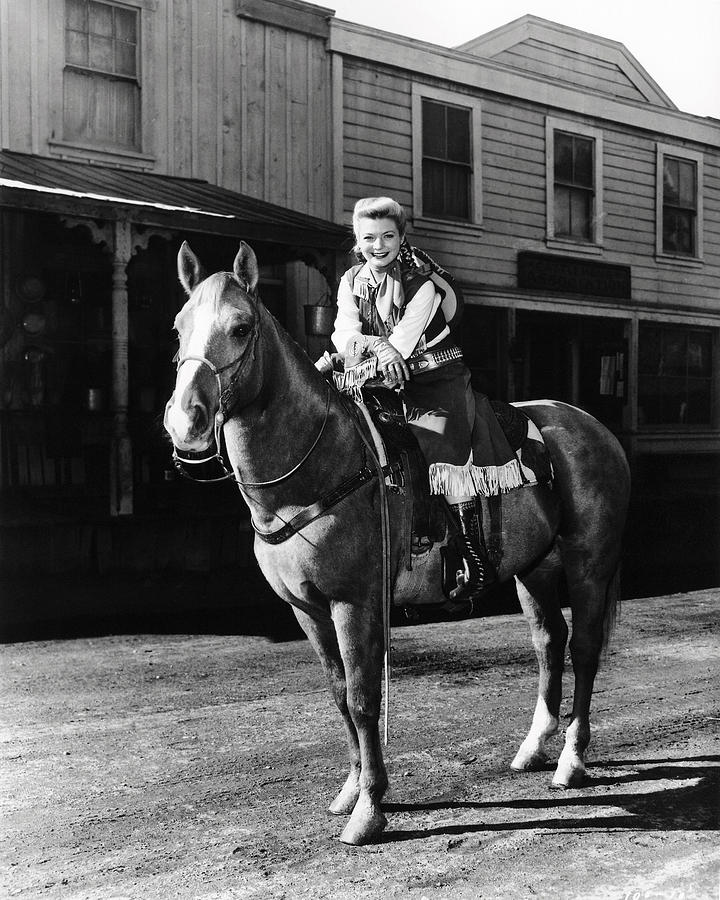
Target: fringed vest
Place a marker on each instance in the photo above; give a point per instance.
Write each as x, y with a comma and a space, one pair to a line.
365, 296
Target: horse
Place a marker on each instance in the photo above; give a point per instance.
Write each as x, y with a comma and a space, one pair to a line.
289, 437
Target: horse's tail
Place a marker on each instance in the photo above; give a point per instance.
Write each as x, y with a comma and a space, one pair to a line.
612, 606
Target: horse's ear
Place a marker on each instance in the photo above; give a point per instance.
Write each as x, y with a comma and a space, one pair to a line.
190, 270
245, 267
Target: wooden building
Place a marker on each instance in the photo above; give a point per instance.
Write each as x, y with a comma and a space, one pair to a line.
126, 127
580, 209
576, 205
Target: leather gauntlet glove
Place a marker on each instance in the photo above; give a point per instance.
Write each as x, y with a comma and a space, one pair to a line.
390, 361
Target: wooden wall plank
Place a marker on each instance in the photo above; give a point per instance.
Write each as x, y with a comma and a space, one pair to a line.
19, 52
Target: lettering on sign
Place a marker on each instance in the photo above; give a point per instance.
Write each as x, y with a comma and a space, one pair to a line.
545, 272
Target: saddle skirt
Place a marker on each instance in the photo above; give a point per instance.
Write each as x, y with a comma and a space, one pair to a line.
383, 412
427, 522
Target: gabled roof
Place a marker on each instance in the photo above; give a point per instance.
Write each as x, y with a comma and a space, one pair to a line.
561, 53
72, 188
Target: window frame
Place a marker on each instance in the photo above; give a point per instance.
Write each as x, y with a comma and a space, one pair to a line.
683, 154
567, 126
83, 147
684, 328
422, 92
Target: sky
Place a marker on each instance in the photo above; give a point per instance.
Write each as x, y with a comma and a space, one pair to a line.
678, 44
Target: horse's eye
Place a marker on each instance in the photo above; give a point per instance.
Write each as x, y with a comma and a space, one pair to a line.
240, 331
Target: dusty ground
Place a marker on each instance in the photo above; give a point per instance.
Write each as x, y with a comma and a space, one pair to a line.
154, 767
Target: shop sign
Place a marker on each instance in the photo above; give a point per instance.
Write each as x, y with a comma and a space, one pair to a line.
564, 275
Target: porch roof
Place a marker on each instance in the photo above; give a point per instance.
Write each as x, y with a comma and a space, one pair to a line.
66, 187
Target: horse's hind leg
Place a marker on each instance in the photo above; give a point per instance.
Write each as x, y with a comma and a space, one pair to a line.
321, 634
592, 596
537, 592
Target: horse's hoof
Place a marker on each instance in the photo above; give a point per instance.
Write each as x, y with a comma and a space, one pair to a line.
342, 806
530, 762
575, 778
344, 803
358, 833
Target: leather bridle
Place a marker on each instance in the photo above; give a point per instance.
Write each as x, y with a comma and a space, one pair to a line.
212, 457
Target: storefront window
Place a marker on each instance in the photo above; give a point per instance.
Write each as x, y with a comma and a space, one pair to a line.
675, 375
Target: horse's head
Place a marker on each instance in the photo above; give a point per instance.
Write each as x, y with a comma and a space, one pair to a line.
218, 330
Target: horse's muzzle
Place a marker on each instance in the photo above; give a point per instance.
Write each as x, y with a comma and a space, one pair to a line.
190, 430
195, 456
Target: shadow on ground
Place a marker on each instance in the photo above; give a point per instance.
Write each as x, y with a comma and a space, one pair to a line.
690, 807
226, 601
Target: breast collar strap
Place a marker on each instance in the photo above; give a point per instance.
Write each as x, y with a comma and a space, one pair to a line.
326, 502
367, 472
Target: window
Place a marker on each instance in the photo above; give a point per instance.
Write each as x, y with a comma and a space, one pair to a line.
675, 375
574, 192
101, 92
446, 163
574, 182
446, 156
679, 203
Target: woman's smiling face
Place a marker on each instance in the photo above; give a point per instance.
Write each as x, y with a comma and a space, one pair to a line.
379, 242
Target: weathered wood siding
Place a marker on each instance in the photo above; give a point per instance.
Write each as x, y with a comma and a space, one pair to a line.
233, 101
571, 66
378, 160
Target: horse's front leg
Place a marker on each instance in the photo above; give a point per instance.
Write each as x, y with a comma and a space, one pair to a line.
360, 637
321, 633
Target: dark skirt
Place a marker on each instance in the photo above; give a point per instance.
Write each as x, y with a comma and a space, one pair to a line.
440, 409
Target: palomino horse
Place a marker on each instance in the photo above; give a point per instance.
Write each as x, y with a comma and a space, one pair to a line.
290, 439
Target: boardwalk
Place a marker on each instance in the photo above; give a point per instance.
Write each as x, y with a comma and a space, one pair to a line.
179, 766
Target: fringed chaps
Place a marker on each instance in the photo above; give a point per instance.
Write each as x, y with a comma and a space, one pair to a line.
475, 481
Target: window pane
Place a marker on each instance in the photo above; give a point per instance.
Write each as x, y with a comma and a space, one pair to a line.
699, 354
699, 403
125, 59
650, 352
580, 212
75, 12
670, 180
583, 170
457, 202
673, 354
433, 188
126, 97
101, 53
126, 25
678, 232
76, 48
458, 141
75, 104
562, 211
101, 19
433, 129
100, 110
687, 191
563, 157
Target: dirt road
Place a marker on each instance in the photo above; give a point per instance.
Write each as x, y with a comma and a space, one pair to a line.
156, 767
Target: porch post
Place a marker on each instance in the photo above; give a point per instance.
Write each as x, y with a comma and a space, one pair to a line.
121, 459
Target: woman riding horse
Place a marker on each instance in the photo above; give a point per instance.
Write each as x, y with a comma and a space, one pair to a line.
316, 496
390, 309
